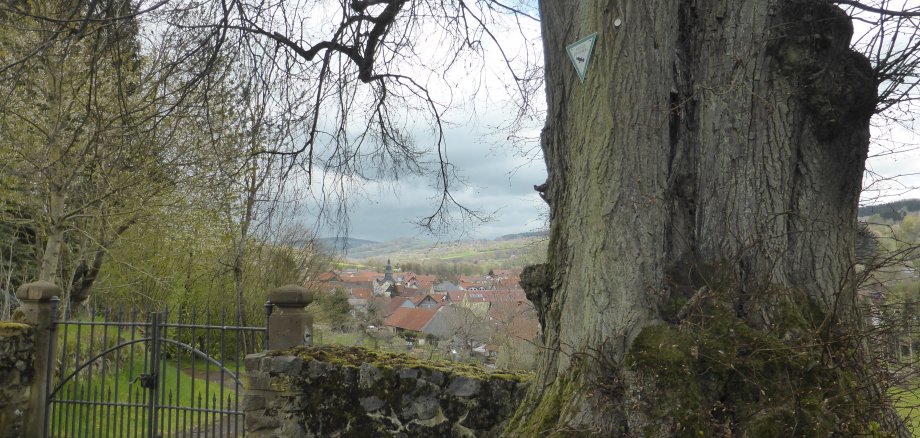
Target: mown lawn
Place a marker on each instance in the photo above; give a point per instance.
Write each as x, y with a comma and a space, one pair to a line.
116, 405
907, 402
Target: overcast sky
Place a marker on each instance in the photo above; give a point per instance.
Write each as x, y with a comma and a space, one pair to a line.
495, 178
497, 181
893, 167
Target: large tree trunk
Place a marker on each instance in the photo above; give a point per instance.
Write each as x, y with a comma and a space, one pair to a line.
703, 186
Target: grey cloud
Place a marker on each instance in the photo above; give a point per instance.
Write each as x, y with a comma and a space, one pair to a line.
497, 182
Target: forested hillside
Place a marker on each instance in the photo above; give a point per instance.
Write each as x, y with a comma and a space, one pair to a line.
890, 210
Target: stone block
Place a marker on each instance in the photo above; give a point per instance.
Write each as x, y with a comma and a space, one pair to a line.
408, 373
256, 422
254, 361
423, 387
281, 385
38, 291
289, 365
318, 369
291, 329
290, 296
421, 408
258, 381
435, 377
252, 402
368, 376
371, 404
463, 387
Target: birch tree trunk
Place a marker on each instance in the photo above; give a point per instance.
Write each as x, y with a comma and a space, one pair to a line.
703, 186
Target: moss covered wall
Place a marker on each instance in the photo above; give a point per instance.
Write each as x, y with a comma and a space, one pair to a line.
343, 391
17, 354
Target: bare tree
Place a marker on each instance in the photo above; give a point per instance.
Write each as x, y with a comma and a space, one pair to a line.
466, 327
515, 331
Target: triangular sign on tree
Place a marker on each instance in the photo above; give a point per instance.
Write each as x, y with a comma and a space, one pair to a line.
580, 54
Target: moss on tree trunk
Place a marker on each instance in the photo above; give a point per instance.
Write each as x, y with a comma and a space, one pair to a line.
703, 188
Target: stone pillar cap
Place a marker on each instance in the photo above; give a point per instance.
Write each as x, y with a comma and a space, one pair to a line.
290, 295
38, 291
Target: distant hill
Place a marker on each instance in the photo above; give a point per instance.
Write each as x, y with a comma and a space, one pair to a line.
342, 244
389, 248
505, 252
522, 235
893, 211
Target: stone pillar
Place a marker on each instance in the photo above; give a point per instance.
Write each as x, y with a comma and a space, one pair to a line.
39, 309
290, 324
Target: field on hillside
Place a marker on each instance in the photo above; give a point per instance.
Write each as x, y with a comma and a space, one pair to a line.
514, 252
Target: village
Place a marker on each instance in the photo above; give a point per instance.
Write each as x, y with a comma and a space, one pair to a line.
476, 318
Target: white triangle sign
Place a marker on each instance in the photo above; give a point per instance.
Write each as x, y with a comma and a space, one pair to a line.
580, 54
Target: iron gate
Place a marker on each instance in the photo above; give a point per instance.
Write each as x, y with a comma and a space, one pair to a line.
148, 374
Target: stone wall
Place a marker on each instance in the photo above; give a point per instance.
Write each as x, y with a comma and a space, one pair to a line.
17, 355
344, 391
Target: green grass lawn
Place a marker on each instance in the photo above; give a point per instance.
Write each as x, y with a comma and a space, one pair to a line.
86, 405
908, 405
352, 339
107, 399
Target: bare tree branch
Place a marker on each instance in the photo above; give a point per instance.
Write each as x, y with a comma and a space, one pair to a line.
864, 7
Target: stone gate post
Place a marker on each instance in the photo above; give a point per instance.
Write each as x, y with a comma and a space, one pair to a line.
289, 324
39, 309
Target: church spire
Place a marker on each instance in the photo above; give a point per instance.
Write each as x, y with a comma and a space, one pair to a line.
388, 276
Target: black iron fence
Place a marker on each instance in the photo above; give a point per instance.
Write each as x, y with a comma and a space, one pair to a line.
133, 373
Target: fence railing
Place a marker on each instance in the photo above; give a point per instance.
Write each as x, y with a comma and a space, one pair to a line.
133, 373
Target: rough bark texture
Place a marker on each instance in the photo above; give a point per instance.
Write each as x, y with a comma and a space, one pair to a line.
703, 185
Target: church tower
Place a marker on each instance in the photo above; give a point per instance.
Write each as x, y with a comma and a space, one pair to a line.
388, 276
386, 286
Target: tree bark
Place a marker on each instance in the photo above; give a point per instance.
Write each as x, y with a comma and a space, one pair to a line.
707, 171
54, 238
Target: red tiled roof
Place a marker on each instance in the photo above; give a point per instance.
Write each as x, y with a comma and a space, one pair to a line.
475, 296
360, 276
508, 295
411, 293
362, 293
491, 296
423, 281
410, 318
381, 305
393, 304
327, 276
321, 281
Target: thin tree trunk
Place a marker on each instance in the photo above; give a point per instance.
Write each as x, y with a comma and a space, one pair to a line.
703, 187
51, 255
252, 184
87, 271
